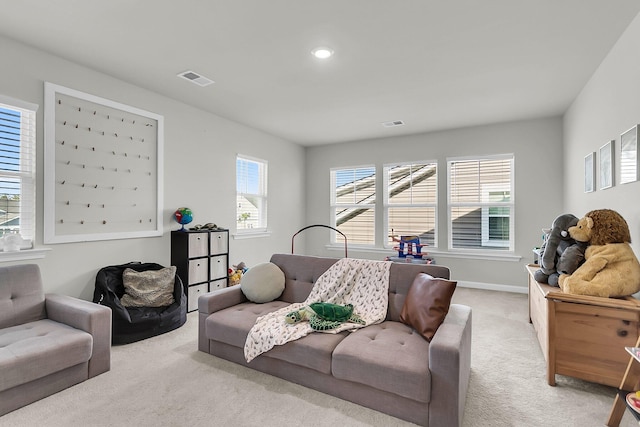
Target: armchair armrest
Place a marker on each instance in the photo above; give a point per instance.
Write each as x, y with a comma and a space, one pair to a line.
92, 318
450, 366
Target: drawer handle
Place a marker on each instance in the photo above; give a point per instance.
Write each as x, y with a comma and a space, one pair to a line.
622, 333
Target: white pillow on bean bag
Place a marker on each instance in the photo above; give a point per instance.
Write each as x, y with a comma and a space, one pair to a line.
262, 283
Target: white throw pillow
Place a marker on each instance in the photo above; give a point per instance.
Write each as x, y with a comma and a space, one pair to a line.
262, 283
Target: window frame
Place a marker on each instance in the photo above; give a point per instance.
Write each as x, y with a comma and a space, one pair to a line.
334, 205
387, 204
261, 195
27, 173
485, 205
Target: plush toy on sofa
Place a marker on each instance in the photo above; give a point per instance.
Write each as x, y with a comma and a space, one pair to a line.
555, 245
323, 316
611, 269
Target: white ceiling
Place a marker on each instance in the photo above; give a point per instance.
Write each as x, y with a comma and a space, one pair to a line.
434, 64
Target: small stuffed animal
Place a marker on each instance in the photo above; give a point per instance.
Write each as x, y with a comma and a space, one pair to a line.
323, 316
611, 269
554, 246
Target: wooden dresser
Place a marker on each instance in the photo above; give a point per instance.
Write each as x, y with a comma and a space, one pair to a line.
583, 336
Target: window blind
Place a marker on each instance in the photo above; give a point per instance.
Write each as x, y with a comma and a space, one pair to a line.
481, 203
17, 169
251, 194
411, 201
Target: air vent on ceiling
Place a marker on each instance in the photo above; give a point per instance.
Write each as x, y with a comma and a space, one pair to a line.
195, 78
393, 123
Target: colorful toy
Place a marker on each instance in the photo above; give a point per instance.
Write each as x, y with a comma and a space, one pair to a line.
412, 243
323, 316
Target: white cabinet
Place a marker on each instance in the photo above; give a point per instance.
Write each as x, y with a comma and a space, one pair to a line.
202, 261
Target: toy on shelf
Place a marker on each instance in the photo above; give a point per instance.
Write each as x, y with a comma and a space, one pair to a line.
235, 273
409, 249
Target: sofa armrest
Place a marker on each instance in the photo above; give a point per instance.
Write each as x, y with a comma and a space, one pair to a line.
450, 365
92, 318
212, 302
220, 299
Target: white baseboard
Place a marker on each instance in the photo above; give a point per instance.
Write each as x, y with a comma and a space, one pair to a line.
493, 287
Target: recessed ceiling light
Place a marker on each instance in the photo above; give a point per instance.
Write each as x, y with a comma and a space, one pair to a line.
322, 52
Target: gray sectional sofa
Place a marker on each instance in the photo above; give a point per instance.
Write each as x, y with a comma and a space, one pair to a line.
387, 367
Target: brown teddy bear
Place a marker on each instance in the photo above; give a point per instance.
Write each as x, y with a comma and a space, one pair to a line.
611, 269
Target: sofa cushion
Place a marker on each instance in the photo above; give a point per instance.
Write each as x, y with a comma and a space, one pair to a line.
232, 324
427, 304
262, 283
36, 349
312, 351
150, 288
389, 356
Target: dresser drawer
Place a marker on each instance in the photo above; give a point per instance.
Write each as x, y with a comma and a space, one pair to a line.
219, 242
219, 267
198, 271
198, 243
194, 293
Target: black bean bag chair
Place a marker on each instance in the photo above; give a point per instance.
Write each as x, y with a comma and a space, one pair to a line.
131, 324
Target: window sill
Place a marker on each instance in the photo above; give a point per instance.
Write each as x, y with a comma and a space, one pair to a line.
251, 235
24, 254
489, 256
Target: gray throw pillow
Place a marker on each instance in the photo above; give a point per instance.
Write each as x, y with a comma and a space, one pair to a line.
151, 288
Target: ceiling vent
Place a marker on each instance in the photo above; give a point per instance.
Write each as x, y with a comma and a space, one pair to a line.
393, 123
195, 78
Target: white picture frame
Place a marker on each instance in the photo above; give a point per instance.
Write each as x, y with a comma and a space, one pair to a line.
590, 172
629, 165
607, 166
103, 168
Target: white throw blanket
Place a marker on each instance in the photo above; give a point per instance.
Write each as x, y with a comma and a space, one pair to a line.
363, 283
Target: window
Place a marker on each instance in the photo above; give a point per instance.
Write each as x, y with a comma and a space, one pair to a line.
17, 168
481, 203
353, 197
411, 202
251, 194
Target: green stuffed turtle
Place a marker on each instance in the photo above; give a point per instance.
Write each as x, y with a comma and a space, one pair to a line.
323, 316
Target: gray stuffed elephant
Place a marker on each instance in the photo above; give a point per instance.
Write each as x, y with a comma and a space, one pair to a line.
557, 242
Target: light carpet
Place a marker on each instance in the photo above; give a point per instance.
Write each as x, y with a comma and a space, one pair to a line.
166, 381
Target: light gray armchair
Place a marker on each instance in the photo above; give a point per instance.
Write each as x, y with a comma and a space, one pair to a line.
47, 342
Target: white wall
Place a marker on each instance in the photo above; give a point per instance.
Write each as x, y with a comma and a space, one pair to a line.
200, 150
537, 146
607, 106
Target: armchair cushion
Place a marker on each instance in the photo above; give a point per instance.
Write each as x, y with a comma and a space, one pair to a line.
37, 349
21, 295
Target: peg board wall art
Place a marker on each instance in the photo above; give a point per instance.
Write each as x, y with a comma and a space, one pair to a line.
103, 168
